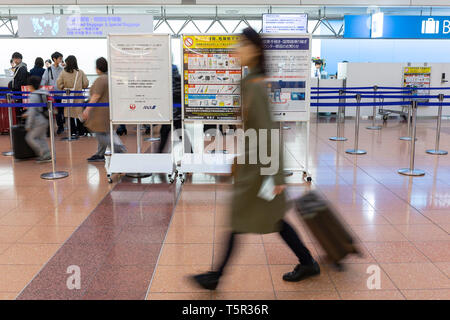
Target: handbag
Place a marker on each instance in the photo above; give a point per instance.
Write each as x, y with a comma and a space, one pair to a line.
71, 94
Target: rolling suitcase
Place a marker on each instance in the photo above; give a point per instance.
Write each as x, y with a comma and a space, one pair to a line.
4, 119
21, 148
325, 224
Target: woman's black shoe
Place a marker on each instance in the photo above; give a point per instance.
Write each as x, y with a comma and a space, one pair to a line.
208, 280
301, 272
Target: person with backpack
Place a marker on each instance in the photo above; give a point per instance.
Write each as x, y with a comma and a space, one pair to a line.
49, 78
37, 121
74, 79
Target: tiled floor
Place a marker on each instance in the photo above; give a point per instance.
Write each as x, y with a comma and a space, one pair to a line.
129, 246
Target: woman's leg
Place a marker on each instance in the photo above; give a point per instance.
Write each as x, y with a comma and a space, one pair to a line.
293, 241
227, 256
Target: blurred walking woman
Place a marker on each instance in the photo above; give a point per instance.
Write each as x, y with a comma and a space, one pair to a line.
251, 213
74, 79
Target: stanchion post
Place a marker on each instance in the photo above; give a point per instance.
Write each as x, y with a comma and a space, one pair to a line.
374, 113
408, 137
69, 125
54, 174
10, 119
355, 150
411, 171
436, 150
339, 136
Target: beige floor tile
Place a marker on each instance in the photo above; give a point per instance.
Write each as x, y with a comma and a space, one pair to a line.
47, 234
308, 295
28, 254
191, 234
175, 279
10, 234
15, 277
434, 294
180, 296
186, 254
253, 278
372, 295
243, 296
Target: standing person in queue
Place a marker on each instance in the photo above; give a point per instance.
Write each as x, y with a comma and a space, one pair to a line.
49, 78
249, 212
97, 118
20, 77
37, 121
74, 79
38, 69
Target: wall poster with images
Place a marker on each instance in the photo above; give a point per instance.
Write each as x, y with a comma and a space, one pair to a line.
212, 74
288, 75
417, 77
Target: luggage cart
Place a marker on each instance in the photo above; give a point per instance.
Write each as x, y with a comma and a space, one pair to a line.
386, 112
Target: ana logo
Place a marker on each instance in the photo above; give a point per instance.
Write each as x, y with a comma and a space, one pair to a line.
149, 107
132, 107
188, 42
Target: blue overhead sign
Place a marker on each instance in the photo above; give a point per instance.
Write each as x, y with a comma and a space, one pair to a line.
397, 27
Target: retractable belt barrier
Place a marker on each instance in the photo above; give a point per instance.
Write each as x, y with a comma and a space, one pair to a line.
53, 174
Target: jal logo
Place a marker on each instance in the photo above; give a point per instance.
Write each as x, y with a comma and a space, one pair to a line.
132, 107
149, 107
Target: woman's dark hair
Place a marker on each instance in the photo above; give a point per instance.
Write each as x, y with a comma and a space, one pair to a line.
71, 64
39, 62
49, 61
101, 64
34, 81
255, 39
17, 55
56, 55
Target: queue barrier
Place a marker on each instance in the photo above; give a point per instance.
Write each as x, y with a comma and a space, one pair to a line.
50, 104
411, 171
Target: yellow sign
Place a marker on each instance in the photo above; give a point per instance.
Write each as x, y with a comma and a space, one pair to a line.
417, 70
210, 42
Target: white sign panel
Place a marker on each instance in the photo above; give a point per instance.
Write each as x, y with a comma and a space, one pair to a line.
82, 26
285, 23
288, 75
140, 78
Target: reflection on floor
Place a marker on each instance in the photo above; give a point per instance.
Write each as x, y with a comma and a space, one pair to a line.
402, 225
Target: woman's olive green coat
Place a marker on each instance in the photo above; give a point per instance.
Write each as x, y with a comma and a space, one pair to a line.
249, 213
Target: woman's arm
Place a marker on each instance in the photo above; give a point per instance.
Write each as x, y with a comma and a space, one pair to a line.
94, 99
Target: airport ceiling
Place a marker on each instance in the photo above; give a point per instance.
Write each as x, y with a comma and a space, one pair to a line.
234, 2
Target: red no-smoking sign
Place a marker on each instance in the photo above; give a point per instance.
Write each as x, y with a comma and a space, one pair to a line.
188, 42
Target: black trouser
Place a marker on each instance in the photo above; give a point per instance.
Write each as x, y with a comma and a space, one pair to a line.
77, 127
289, 236
60, 116
164, 136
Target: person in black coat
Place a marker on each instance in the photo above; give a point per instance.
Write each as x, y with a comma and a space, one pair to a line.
38, 69
20, 78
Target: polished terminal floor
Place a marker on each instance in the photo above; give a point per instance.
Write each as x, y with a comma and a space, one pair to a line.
140, 239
